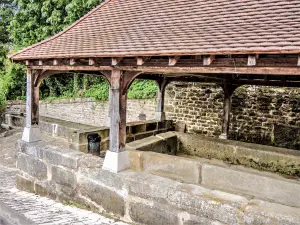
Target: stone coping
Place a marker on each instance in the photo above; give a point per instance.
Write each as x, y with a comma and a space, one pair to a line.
265, 158
138, 197
145, 157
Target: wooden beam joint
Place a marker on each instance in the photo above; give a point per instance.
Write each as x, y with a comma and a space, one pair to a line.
116, 60
207, 60
173, 60
252, 60
141, 60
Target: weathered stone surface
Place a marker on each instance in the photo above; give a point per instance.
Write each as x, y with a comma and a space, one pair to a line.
261, 157
152, 214
46, 188
32, 166
148, 186
265, 115
94, 113
24, 184
261, 212
63, 176
196, 220
36, 150
90, 161
202, 202
174, 167
107, 198
279, 190
136, 162
161, 144
60, 158
105, 177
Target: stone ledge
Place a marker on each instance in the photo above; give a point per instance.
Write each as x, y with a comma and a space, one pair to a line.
235, 179
32, 166
141, 197
279, 190
273, 159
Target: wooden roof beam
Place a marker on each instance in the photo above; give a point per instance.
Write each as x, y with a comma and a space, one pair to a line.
55, 62
252, 60
298, 64
28, 63
141, 60
173, 60
72, 62
115, 60
92, 62
207, 60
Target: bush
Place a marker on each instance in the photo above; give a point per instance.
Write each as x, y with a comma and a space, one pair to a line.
98, 91
143, 89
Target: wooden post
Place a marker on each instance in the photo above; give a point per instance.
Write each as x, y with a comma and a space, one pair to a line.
115, 98
160, 113
116, 158
228, 91
29, 97
31, 131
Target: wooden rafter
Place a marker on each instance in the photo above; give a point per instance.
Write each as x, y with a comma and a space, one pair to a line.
92, 62
207, 60
251, 60
115, 61
173, 60
141, 60
72, 62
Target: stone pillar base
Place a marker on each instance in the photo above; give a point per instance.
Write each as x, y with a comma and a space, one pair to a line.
223, 136
160, 116
116, 161
31, 134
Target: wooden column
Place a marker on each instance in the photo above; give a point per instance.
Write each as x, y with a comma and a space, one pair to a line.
115, 111
116, 158
31, 132
160, 112
228, 91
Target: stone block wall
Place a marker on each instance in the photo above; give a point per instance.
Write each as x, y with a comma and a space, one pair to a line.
91, 112
134, 197
199, 106
264, 115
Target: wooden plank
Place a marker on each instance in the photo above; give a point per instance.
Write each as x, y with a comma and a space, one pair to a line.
207, 60
173, 60
168, 70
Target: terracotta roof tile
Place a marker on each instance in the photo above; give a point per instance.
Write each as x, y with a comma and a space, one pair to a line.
156, 27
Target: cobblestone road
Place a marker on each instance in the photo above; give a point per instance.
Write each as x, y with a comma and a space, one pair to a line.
42, 210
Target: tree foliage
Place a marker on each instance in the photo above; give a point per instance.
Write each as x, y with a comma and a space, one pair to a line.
26, 22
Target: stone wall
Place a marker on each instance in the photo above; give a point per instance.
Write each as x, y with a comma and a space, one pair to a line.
135, 197
91, 112
261, 115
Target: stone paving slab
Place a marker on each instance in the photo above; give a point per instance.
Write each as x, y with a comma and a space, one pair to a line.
42, 210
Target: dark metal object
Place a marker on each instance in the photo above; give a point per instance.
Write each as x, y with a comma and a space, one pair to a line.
94, 141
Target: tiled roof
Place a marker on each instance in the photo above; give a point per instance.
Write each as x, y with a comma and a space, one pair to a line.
177, 27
